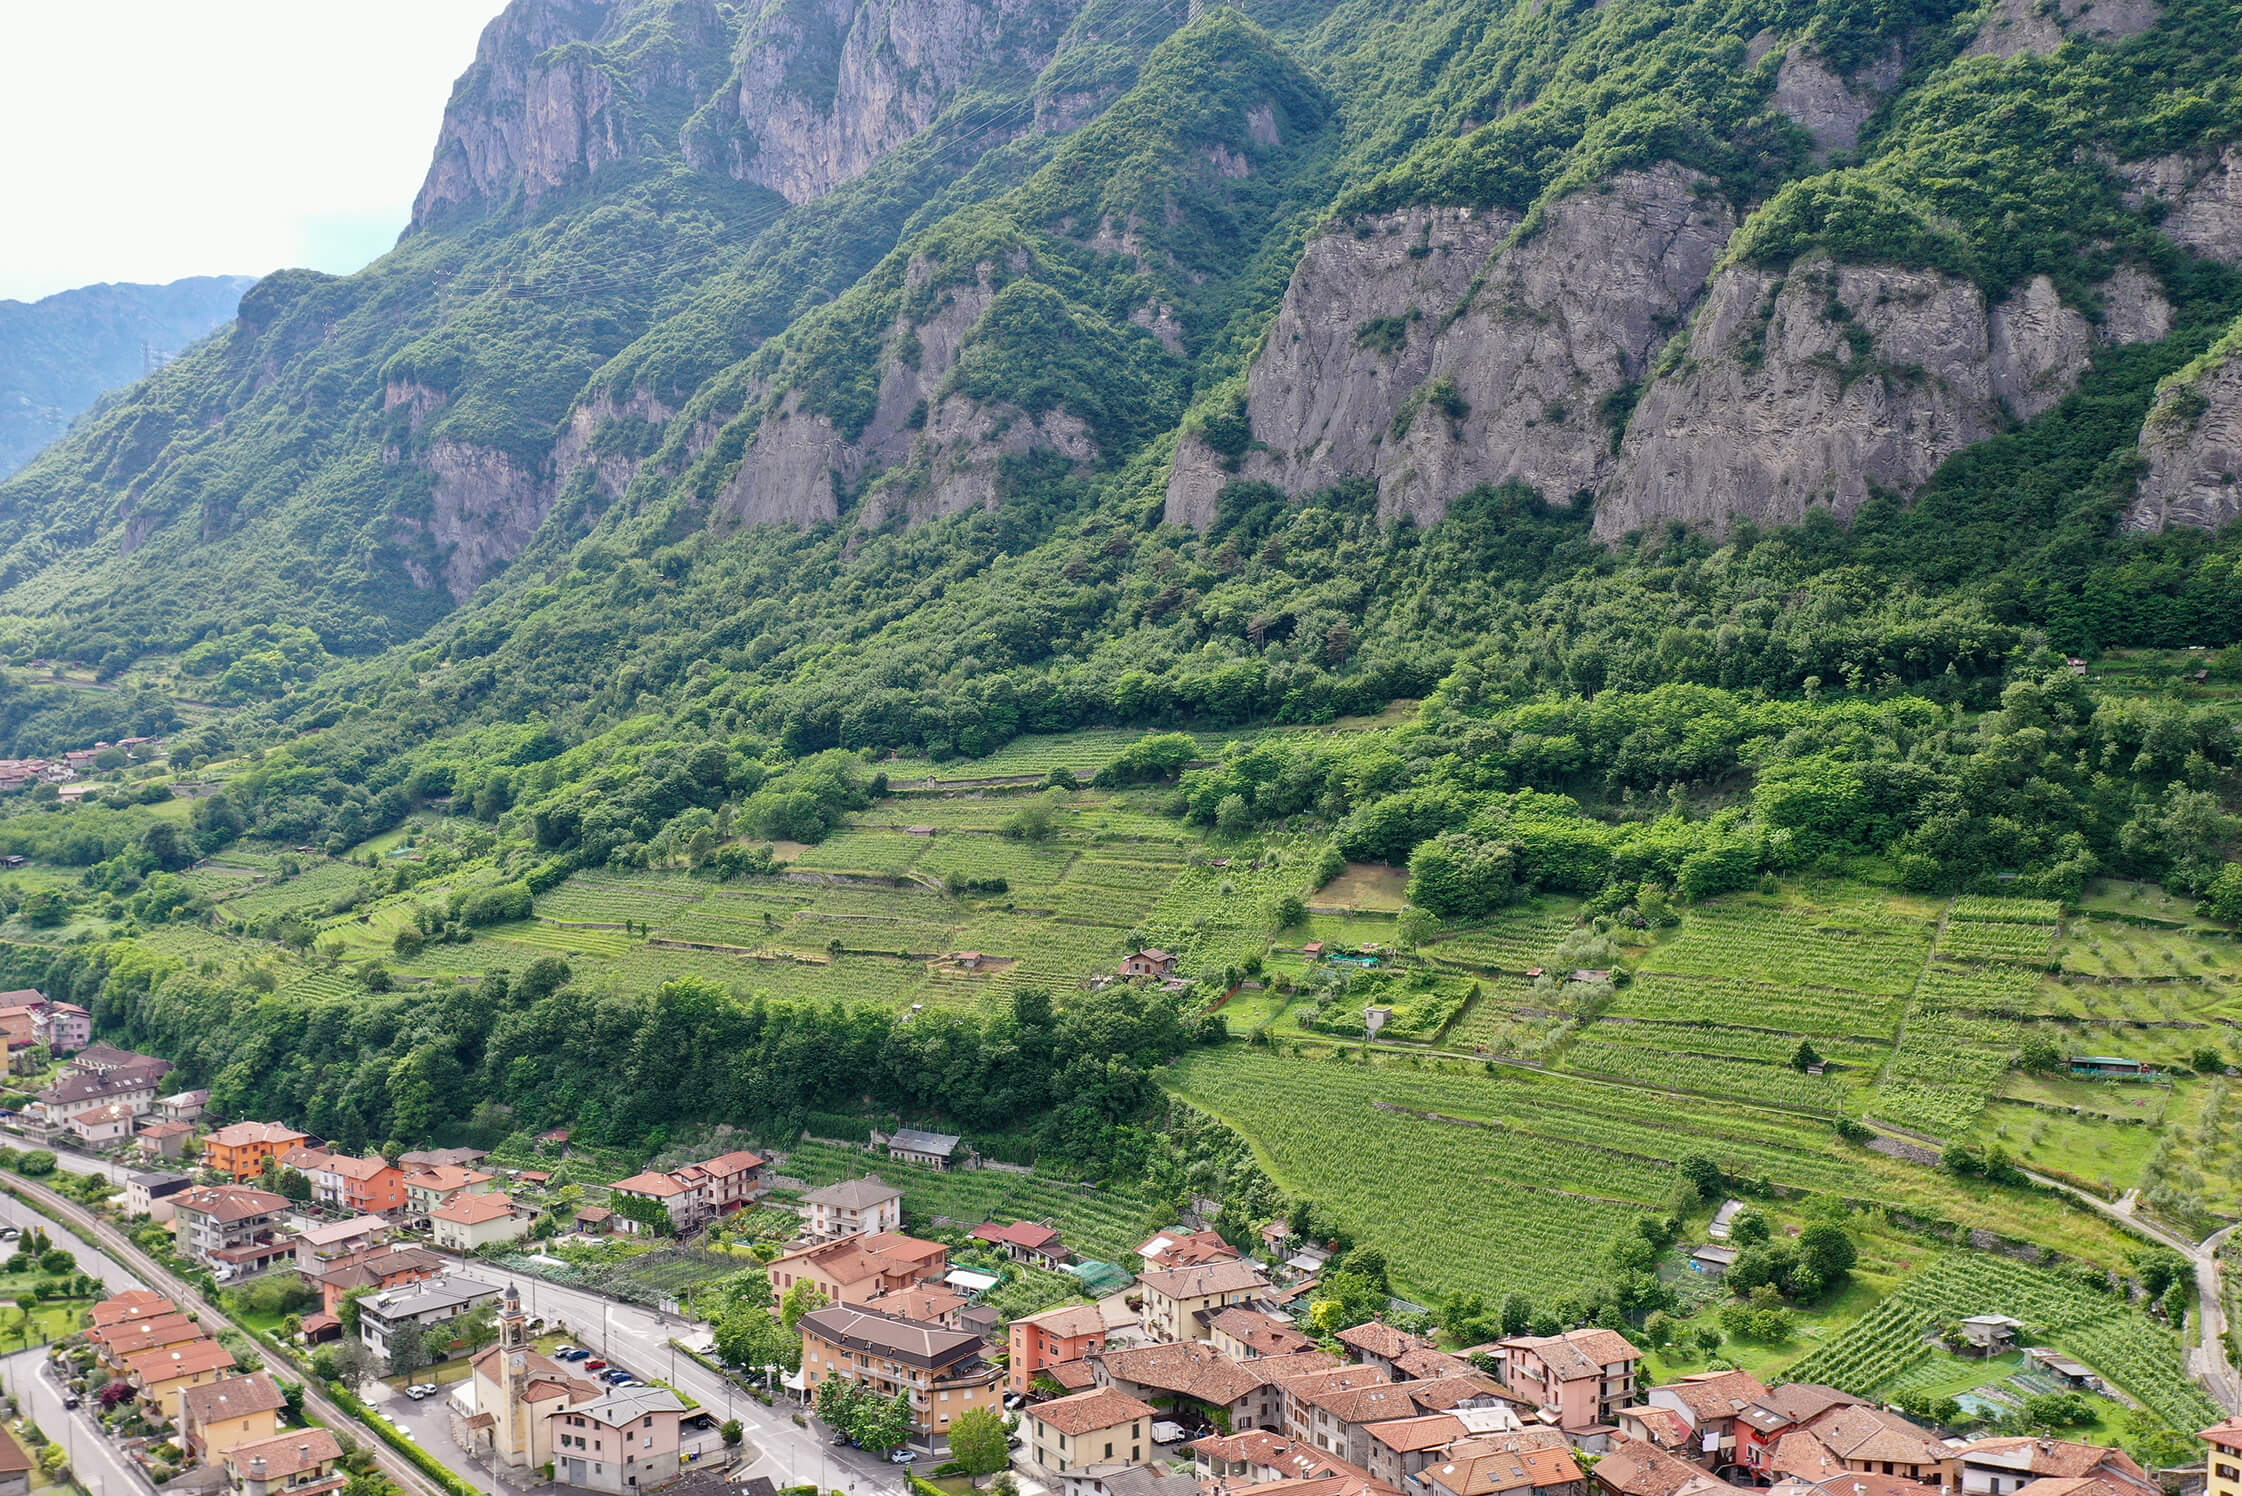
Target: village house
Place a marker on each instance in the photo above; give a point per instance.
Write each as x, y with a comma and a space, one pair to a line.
1260, 1456
472, 1222
1999, 1467
1101, 1427
163, 1138
241, 1148
223, 1415
623, 1442
1533, 1462
935, 1304
1784, 1409
1174, 1297
1711, 1402
15, 1466
1181, 1248
116, 1345
133, 1303
331, 1241
363, 1186
383, 1268
102, 1125
1376, 1343
430, 1305
1403, 1447
65, 1028
1580, 1378
866, 1205
431, 1186
162, 1377
1025, 1241
301, 1462
232, 1226
183, 1106
859, 1268
1248, 1334
1148, 962
19, 1027
946, 1372
1337, 1417
696, 1194
154, 1194
441, 1158
77, 1092
1069, 1333
594, 1220
932, 1150
1847, 1436
1193, 1375
1631, 1468
2222, 1470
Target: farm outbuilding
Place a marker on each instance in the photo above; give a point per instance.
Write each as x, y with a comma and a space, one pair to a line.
2110, 1067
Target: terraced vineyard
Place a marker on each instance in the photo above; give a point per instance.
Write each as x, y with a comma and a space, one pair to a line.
1731, 1000
1515, 941
1876, 1350
1958, 1046
1770, 1084
1513, 1183
1797, 948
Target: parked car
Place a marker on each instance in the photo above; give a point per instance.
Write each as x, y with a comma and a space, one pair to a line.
840, 1441
900, 1457
595, 1364
564, 1353
72, 1401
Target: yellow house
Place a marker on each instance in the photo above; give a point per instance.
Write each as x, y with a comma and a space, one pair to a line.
164, 1376
218, 1416
2223, 1470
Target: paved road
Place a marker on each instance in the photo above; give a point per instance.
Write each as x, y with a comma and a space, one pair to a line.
112, 1241
97, 1463
116, 1279
2207, 1361
638, 1340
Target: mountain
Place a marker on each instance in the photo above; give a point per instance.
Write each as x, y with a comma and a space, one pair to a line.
910, 300
61, 353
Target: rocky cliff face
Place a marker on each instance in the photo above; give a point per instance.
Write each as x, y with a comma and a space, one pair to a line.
484, 508
2014, 26
562, 88
2191, 446
1376, 368
518, 120
1826, 106
1827, 384
822, 89
2201, 195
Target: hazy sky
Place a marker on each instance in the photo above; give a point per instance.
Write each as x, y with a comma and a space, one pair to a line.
147, 140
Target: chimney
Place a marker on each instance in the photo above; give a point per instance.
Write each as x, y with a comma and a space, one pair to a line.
257, 1468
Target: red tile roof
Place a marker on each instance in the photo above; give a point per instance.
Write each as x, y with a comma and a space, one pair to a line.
1086, 1411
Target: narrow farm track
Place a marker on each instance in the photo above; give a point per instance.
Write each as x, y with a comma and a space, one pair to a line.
2207, 1360
121, 1249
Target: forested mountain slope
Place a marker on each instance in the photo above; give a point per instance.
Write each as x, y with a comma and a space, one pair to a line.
1085, 359
61, 353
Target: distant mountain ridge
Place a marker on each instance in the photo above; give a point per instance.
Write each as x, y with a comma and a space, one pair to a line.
61, 353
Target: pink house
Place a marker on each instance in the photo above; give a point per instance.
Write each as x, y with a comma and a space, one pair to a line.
622, 1442
1582, 1377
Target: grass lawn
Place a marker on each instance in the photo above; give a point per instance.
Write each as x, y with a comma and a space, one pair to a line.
1369, 886
1249, 1010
